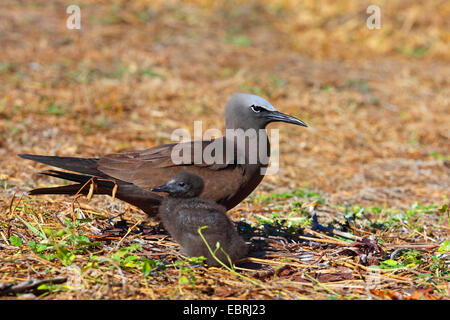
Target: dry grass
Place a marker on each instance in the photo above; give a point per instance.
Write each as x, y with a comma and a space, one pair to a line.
377, 103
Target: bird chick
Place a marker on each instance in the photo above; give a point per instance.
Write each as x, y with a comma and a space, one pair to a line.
182, 212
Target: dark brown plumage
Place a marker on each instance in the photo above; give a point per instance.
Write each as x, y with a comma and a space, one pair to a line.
182, 213
136, 173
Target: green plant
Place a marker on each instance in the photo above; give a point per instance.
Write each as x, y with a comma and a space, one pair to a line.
126, 259
440, 266
445, 247
406, 259
15, 241
56, 110
229, 268
302, 194
50, 288
239, 40
63, 244
150, 73
186, 272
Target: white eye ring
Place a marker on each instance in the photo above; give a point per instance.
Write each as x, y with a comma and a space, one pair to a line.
256, 109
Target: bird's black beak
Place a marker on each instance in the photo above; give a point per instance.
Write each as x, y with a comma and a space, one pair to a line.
168, 187
276, 116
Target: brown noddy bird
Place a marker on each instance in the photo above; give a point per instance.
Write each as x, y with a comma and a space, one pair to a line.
132, 175
183, 212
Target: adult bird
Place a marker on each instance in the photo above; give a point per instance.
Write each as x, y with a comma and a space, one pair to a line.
130, 176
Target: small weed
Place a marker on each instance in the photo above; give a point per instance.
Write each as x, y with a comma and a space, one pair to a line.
277, 226
50, 288
150, 73
126, 259
5, 67
407, 259
303, 194
55, 110
416, 52
15, 241
328, 88
441, 157
445, 247
187, 272
116, 73
63, 244
396, 218
440, 265
239, 40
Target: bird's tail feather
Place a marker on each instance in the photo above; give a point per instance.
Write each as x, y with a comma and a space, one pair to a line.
81, 165
81, 178
103, 186
70, 189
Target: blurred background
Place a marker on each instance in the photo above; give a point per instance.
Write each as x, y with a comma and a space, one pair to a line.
377, 101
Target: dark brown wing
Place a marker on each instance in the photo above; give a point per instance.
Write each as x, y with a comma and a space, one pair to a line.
153, 167
226, 183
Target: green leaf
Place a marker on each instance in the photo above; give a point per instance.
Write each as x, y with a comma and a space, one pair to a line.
130, 261
65, 255
43, 286
42, 246
146, 267
38, 247
61, 232
37, 232
32, 245
15, 241
130, 264
183, 280
135, 247
150, 73
48, 257
445, 247
55, 109
241, 41
389, 264
116, 257
197, 260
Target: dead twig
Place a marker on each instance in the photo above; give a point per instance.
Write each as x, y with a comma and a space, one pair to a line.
32, 284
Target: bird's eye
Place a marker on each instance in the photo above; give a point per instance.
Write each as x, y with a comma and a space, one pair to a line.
257, 109
181, 184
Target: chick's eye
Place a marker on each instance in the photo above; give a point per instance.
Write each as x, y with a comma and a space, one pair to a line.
257, 109
181, 184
